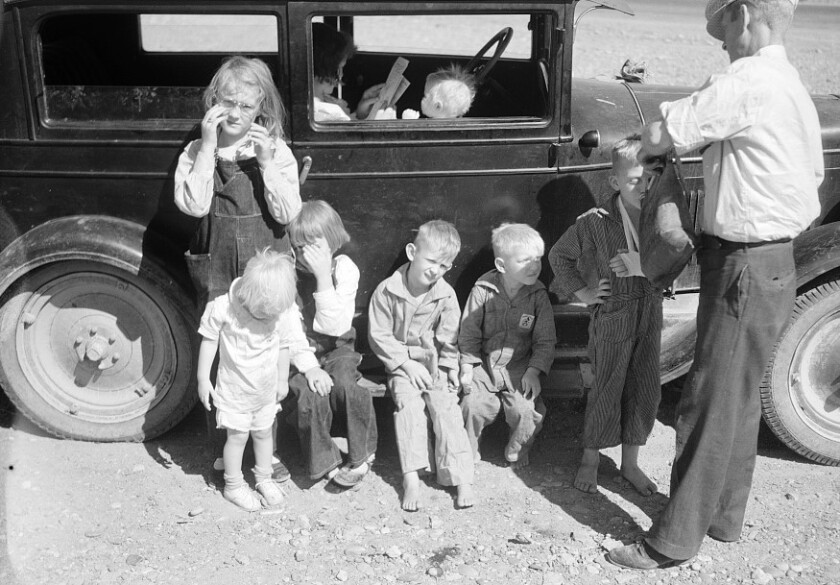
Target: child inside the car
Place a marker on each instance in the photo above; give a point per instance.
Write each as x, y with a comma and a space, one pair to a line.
331, 50
449, 93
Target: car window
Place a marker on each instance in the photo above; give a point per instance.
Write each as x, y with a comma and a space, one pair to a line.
451, 34
406, 49
126, 69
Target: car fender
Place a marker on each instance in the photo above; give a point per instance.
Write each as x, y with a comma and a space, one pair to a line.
816, 252
116, 242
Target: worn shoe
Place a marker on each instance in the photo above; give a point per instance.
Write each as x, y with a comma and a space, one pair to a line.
244, 497
640, 556
347, 477
273, 494
279, 472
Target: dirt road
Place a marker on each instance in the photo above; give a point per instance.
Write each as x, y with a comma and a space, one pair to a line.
84, 514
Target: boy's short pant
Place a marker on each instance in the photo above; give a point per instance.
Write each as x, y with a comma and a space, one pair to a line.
256, 420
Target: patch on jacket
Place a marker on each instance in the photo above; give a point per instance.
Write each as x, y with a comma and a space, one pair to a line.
526, 322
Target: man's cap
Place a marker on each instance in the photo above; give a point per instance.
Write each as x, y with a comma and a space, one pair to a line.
714, 15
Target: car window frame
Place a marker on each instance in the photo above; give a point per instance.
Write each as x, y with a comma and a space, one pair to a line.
305, 129
44, 128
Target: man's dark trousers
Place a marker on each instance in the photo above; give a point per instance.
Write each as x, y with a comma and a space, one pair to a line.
746, 298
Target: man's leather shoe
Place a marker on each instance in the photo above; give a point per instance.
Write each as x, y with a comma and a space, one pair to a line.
640, 556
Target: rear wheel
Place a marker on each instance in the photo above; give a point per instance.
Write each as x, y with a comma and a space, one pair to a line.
800, 395
92, 352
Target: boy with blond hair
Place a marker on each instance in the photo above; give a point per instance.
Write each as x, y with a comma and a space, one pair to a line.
506, 342
413, 330
256, 329
449, 93
597, 260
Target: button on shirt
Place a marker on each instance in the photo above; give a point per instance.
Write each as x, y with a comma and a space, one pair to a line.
764, 161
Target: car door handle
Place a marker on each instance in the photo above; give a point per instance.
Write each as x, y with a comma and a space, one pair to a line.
306, 164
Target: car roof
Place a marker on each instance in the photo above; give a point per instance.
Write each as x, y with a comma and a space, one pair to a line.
88, 3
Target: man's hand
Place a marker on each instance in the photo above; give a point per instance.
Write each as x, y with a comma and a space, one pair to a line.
655, 143
417, 374
205, 392
595, 296
319, 381
531, 386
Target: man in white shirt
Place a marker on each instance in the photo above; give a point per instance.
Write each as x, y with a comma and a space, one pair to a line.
762, 163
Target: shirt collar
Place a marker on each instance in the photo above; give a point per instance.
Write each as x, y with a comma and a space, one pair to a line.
396, 284
494, 281
775, 51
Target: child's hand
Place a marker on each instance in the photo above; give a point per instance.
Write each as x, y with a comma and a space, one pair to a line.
452, 379
319, 381
368, 99
417, 374
626, 264
617, 264
263, 143
317, 257
466, 378
593, 296
205, 392
531, 386
210, 125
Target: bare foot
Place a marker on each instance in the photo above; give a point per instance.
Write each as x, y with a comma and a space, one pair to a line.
523, 461
466, 496
411, 491
586, 479
643, 484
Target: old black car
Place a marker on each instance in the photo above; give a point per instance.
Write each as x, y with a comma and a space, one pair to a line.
97, 325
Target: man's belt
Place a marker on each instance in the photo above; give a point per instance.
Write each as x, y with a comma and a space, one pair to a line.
716, 243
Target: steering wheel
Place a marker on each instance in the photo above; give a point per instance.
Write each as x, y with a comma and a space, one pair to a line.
501, 39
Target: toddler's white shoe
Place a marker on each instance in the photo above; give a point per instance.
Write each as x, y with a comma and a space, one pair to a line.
244, 497
273, 494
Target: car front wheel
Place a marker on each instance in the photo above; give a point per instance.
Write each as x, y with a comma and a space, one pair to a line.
92, 352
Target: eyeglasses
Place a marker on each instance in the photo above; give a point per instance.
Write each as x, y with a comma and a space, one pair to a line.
247, 109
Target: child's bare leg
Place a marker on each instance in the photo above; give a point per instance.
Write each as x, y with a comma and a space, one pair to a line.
466, 496
631, 471
411, 491
586, 479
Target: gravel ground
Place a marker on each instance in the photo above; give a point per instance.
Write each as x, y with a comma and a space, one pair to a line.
84, 514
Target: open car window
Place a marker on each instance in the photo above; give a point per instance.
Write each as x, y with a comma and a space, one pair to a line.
126, 70
403, 50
